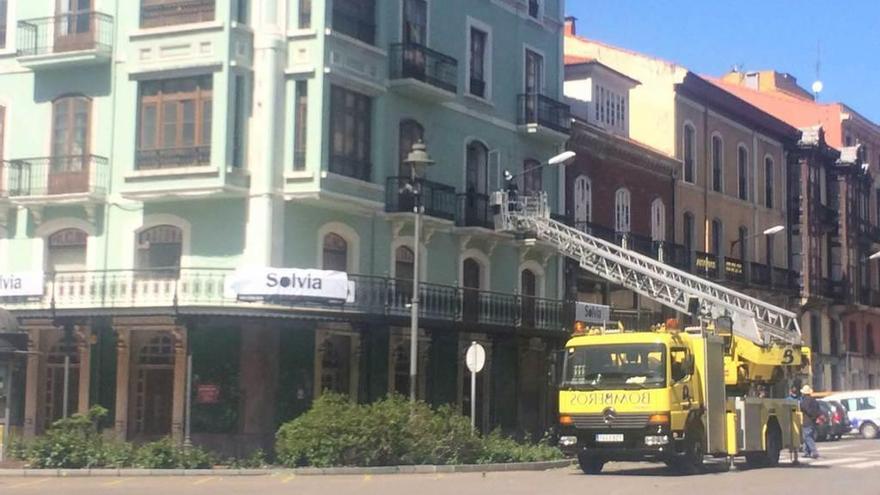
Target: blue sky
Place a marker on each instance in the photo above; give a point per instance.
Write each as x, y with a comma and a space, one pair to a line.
711, 36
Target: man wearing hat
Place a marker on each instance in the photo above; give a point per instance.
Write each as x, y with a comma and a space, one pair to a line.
811, 411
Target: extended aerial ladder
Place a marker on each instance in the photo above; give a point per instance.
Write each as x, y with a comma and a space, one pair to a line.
755, 320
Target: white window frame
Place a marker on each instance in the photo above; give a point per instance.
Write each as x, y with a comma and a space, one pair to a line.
487, 70
658, 220
46, 229
351, 238
156, 220
542, 84
622, 210
588, 199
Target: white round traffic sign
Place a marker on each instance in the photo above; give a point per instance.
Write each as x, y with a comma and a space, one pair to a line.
475, 357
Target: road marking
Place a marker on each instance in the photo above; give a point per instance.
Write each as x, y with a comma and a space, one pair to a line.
840, 460
368, 477
204, 480
29, 483
117, 482
289, 478
864, 465
835, 447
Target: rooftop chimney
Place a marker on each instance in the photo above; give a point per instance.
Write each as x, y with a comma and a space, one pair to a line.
571, 26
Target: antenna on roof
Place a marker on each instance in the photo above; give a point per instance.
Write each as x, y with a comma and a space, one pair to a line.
817, 84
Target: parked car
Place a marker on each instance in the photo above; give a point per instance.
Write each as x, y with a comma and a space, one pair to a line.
824, 425
863, 410
834, 421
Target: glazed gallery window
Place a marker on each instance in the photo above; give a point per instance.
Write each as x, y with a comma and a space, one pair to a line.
159, 249
355, 18
66, 251
690, 153
350, 133
742, 160
71, 122
335, 253
768, 182
609, 107
478, 48
158, 13
717, 164
174, 125
300, 124
305, 14
622, 210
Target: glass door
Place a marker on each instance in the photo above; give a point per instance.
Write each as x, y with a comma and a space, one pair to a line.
74, 28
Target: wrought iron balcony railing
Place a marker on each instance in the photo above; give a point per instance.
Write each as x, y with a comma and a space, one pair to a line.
175, 290
537, 109
56, 175
734, 270
192, 156
474, 211
414, 61
760, 274
783, 278
437, 199
67, 32
170, 13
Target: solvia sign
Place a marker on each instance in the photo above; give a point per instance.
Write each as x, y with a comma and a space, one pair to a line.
291, 282
21, 284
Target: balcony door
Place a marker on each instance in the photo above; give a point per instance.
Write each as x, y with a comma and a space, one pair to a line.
477, 183
69, 164
471, 281
414, 30
534, 76
73, 25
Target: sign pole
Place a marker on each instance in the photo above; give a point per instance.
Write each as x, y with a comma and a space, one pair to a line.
474, 400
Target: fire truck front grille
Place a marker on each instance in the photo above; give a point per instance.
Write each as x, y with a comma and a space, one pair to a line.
599, 421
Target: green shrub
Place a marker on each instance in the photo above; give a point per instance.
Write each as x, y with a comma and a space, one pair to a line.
337, 432
72, 442
165, 454
255, 460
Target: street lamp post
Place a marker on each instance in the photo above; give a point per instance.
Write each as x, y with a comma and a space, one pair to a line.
767, 232
417, 160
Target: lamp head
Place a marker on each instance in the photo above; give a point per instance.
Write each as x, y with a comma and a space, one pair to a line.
418, 158
774, 230
874, 256
562, 159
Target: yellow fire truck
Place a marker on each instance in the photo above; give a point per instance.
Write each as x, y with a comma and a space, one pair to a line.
676, 395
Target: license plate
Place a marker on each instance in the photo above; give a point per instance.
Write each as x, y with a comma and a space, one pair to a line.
609, 437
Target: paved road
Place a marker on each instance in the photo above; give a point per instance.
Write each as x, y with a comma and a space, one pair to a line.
850, 467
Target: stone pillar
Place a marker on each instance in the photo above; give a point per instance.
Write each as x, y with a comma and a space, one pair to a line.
84, 344
32, 384
259, 378
123, 369
178, 401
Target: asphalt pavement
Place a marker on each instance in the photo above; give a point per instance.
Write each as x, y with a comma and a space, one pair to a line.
849, 466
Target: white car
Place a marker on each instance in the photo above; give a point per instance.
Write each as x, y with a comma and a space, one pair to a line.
863, 408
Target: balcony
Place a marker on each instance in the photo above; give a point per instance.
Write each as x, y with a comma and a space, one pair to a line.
192, 156
170, 13
828, 217
639, 243
783, 278
201, 291
57, 179
474, 211
869, 297
543, 117
760, 274
833, 289
596, 230
423, 73
74, 38
437, 199
673, 254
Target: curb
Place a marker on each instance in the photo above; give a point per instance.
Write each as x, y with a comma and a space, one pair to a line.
305, 471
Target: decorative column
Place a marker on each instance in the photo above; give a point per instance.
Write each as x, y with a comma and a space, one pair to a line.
84, 345
178, 401
32, 384
123, 369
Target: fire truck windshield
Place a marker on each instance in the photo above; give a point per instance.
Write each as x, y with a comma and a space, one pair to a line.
615, 366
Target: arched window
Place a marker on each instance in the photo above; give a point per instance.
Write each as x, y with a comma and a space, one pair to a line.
690, 153
622, 210
472, 283
717, 238
411, 132
477, 168
404, 262
717, 164
658, 220
583, 202
743, 245
742, 160
768, 182
688, 232
160, 247
532, 180
529, 290
71, 118
66, 251
335, 251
